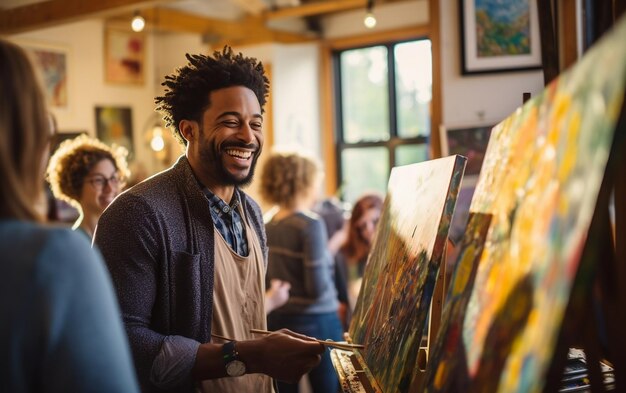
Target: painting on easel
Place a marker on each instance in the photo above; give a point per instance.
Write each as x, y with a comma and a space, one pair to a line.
530, 217
402, 268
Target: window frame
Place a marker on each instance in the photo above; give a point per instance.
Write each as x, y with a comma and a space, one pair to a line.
329, 96
394, 139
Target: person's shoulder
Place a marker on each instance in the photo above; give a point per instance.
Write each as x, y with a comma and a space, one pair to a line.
305, 220
20, 232
248, 200
31, 242
154, 191
309, 216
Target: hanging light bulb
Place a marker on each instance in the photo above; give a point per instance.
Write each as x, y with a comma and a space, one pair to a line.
138, 22
157, 143
370, 19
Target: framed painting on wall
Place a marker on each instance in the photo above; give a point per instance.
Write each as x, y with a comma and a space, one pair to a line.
52, 63
124, 56
114, 126
499, 35
472, 143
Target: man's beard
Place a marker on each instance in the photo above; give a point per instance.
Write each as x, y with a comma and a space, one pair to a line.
212, 159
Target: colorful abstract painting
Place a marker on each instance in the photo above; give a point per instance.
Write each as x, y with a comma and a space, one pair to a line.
402, 268
536, 194
52, 63
114, 125
502, 27
471, 143
124, 56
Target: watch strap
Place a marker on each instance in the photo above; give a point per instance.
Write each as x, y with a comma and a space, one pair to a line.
229, 352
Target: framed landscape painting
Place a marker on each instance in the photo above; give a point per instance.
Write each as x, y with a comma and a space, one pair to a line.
499, 35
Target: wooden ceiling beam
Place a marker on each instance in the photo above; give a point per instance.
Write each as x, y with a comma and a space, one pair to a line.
246, 31
56, 12
166, 19
317, 8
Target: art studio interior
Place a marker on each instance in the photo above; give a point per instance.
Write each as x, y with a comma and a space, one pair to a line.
493, 132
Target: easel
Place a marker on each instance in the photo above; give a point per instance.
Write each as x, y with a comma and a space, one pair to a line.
601, 302
434, 321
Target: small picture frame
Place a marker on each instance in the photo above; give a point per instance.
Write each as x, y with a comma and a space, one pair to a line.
52, 62
124, 56
114, 125
472, 143
499, 36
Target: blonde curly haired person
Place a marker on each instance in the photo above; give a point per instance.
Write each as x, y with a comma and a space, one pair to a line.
88, 174
299, 255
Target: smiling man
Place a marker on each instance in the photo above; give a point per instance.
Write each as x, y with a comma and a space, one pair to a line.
187, 248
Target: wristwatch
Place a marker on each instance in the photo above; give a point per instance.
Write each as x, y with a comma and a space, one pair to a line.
234, 366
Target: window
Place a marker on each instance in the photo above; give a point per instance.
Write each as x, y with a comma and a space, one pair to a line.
384, 95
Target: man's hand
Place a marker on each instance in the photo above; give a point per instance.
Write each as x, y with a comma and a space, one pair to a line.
283, 355
276, 295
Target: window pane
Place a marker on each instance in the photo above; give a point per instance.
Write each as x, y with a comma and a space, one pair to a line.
365, 100
410, 154
414, 81
362, 170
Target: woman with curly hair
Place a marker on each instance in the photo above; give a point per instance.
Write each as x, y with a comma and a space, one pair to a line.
299, 254
88, 174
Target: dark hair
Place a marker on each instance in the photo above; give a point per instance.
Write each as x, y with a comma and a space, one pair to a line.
355, 247
187, 91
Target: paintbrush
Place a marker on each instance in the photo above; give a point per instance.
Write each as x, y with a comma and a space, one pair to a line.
328, 343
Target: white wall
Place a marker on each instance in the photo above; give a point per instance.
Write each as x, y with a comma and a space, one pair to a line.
87, 89
295, 93
476, 100
388, 16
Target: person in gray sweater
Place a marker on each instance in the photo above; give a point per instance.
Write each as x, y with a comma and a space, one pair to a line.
187, 250
299, 254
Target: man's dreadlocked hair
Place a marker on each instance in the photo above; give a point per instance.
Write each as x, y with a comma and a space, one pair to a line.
187, 90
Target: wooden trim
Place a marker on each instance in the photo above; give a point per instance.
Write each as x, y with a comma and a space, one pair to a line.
436, 108
327, 86
404, 33
56, 12
547, 35
327, 107
568, 42
317, 8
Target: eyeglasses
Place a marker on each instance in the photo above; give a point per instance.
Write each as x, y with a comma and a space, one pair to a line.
99, 182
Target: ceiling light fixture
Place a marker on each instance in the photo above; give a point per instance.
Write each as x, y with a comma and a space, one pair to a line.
370, 19
138, 22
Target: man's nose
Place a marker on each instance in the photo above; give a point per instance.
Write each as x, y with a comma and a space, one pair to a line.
246, 134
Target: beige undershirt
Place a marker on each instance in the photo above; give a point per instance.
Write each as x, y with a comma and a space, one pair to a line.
238, 306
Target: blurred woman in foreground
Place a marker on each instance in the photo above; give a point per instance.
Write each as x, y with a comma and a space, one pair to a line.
59, 323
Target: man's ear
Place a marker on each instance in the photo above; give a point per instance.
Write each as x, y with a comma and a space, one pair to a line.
188, 129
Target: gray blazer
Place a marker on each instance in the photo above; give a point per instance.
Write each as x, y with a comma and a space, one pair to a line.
157, 241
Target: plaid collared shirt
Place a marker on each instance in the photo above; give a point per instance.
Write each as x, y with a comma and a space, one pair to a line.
228, 221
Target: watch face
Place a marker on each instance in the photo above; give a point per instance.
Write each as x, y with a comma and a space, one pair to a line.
236, 368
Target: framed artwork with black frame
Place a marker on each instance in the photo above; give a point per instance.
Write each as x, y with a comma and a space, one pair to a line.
499, 36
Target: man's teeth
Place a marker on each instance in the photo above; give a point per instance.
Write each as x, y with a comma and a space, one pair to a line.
239, 154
